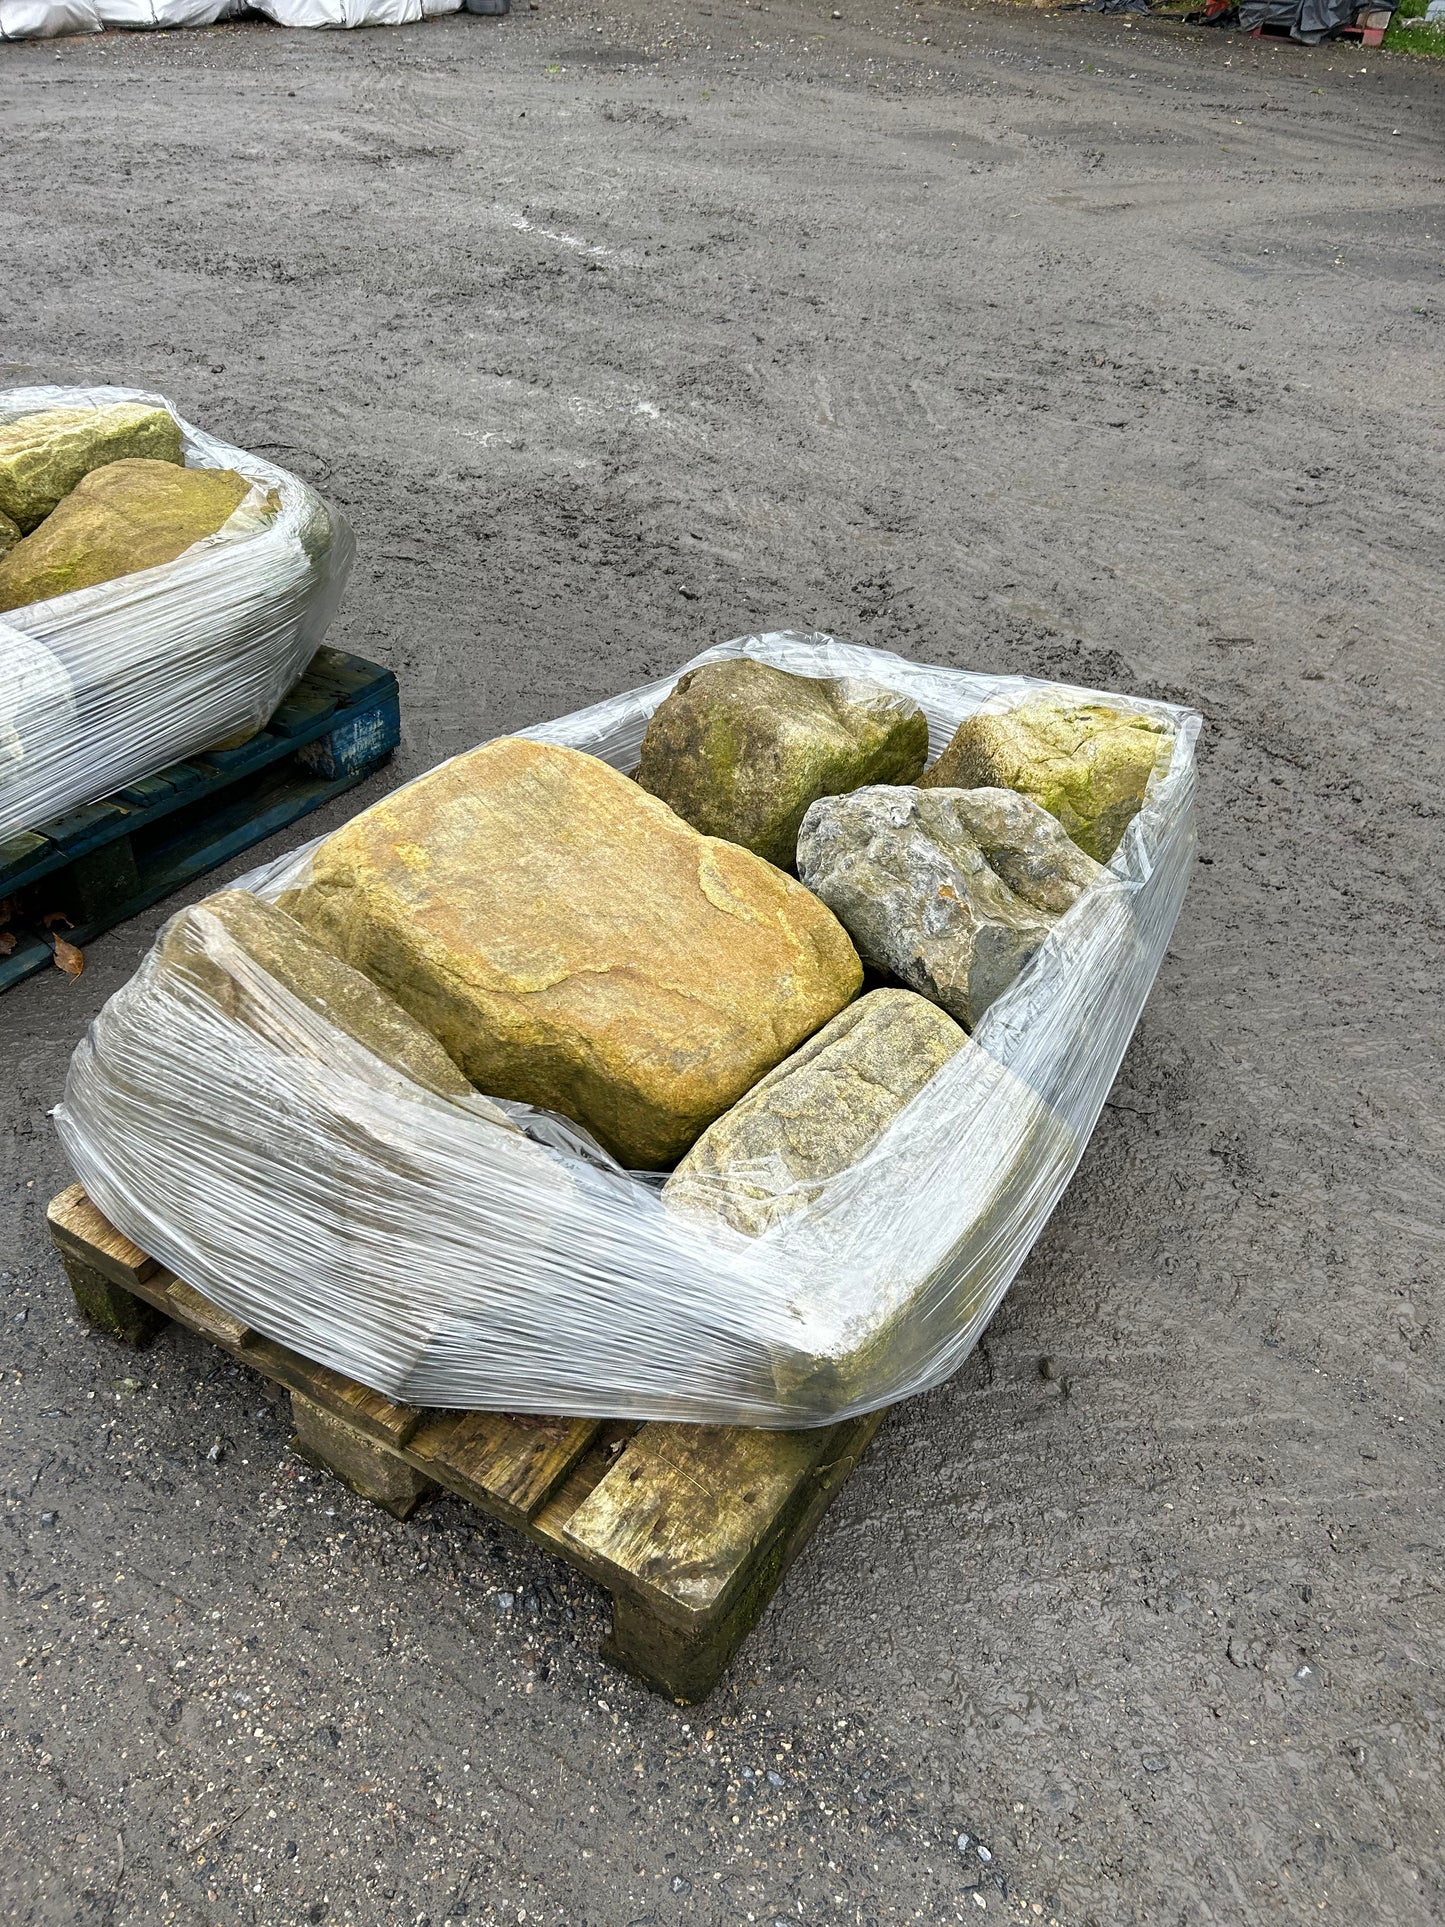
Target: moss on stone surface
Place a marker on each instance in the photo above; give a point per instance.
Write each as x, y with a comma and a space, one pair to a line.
950, 891
574, 945
1087, 764
128, 515
816, 1114
741, 750
43, 456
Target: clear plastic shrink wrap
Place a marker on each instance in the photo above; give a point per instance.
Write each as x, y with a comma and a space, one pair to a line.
37, 19
417, 1242
104, 685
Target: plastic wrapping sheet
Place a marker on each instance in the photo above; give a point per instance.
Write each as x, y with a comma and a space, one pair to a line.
111, 683
36, 19
43, 19
430, 1251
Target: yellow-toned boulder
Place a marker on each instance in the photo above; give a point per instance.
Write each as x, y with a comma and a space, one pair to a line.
573, 944
346, 1000
126, 516
43, 456
820, 1111
1086, 763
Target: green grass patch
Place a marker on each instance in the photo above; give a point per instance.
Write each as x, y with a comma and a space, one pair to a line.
1408, 33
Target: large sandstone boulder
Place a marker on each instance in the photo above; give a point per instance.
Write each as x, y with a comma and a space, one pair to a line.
43, 456
575, 945
740, 749
816, 1113
950, 891
325, 985
1085, 763
126, 516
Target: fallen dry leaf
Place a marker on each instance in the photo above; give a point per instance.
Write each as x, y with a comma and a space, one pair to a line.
7, 942
68, 958
52, 917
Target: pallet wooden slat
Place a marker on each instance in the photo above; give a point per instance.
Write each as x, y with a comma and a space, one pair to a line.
690, 1527
685, 1506
78, 1225
510, 1467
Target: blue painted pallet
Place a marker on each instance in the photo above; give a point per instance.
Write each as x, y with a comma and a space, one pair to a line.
99, 865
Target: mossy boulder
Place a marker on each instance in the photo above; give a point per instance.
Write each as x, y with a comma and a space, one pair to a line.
126, 516
43, 456
740, 749
575, 945
949, 891
1087, 764
10, 533
816, 1114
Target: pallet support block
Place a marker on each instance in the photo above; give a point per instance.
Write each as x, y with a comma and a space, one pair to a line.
109, 1307
372, 1470
106, 1271
690, 1528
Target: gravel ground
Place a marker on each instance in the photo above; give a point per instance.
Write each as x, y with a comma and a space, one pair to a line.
1042, 343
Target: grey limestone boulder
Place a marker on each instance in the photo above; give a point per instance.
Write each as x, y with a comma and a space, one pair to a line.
950, 891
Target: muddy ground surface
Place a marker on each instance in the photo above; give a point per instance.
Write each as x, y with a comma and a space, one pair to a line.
1032, 343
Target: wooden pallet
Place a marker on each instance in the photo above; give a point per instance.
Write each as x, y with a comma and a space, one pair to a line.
96, 866
689, 1527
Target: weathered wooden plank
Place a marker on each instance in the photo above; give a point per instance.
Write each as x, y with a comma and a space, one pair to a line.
79, 1227
82, 829
691, 1528
685, 1662
685, 1509
199, 1315
19, 854
509, 1466
369, 1411
373, 1470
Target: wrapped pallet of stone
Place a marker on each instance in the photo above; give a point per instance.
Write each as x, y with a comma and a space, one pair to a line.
673, 1156
160, 592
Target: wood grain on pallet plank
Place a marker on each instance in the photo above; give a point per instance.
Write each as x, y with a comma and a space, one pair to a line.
684, 1509
371, 1468
686, 1658
78, 1225
509, 1467
199, 1315
373, 1413
691, 1528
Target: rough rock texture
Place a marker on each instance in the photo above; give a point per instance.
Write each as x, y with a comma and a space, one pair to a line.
126, 516
952, 891
740, 749
1087, 764
322, 982
816, 1113
10, 533
43, 456
573, 943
